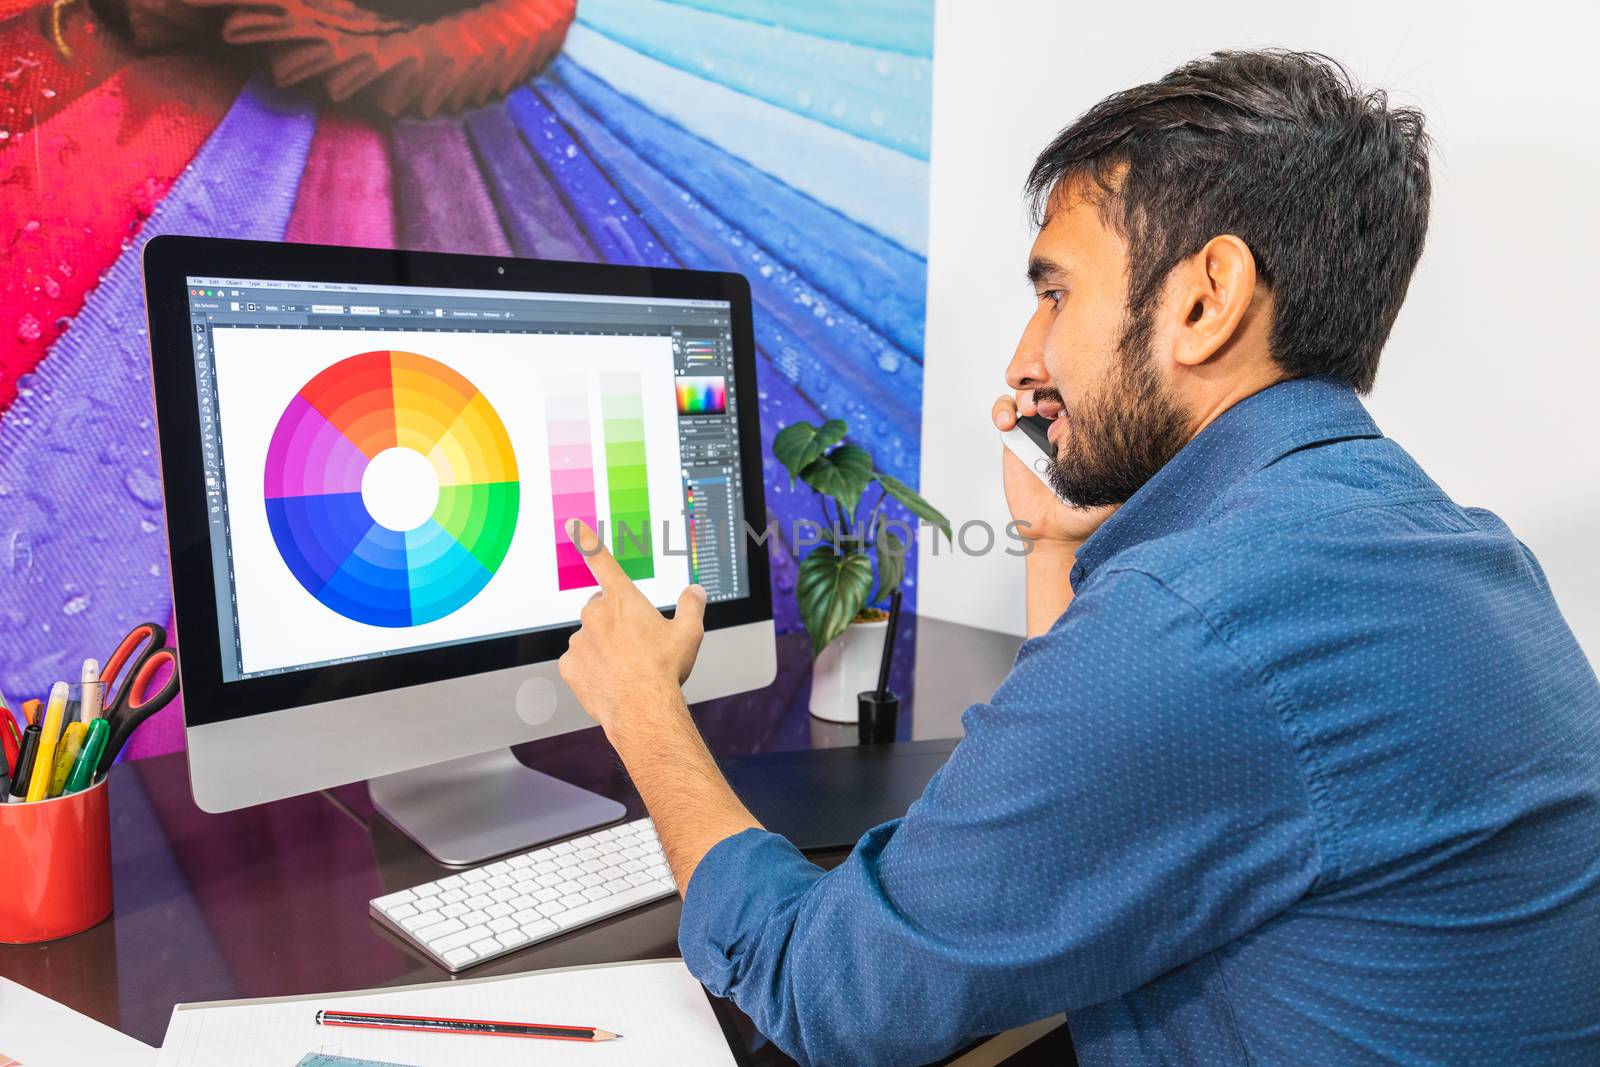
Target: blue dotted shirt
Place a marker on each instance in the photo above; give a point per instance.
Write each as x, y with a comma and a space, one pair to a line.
1309, 773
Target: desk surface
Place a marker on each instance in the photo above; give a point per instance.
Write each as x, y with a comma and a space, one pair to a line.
272, 900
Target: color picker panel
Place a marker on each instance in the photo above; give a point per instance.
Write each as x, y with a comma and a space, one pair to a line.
627, 476
703, 395
571, 480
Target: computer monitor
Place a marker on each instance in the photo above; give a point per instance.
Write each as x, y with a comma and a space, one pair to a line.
369, 457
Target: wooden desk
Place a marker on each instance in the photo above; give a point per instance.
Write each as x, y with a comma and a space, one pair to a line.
272, 900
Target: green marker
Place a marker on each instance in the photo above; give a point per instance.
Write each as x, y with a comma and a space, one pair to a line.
82, 775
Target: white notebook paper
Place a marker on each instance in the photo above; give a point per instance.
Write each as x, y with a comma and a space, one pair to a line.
35, 1031
658, 1008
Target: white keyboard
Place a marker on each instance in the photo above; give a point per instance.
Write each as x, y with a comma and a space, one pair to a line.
472, 917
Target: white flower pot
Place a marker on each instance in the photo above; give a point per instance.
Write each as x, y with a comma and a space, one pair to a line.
845, 667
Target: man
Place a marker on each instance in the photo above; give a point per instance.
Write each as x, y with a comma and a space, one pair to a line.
1300, 763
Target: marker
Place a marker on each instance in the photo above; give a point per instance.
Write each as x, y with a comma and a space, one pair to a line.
67, 753
24, 767
49, 737
30, 711
5, 784
91, 691
83, 770
94, 744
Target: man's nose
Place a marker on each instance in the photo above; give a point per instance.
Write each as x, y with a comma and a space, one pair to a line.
1026, 369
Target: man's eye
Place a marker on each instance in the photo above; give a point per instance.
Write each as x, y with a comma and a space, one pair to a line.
1052, 295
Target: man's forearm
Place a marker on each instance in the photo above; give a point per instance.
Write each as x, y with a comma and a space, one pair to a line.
1049, 585
691, 802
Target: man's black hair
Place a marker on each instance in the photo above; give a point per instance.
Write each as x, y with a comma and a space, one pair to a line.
1325, 183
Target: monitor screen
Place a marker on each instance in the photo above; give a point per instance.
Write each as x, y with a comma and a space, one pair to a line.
389, 468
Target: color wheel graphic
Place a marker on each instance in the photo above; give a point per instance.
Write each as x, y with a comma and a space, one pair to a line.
328, 436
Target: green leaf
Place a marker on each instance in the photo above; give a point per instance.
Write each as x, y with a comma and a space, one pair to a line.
798, 446
831, 589
891, 565
843, 474
914, 502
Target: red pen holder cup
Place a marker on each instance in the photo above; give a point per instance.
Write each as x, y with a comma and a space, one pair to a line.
57, 875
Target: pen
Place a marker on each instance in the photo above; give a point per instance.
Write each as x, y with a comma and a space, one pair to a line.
44, 762
24, 767
94, 744
30, 711
67, 753
5, 784
91, 691
487, 1027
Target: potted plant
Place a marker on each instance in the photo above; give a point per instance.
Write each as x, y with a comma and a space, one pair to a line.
859, 560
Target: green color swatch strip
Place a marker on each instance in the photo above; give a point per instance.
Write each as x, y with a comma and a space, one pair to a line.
627, 479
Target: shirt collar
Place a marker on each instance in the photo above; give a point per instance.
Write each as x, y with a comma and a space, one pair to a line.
1248, 437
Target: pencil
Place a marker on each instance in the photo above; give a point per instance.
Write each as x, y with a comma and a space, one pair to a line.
486, 1027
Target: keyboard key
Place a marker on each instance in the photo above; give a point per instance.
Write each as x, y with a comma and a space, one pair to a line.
401, 911
513, 938
545, 866
573, 900
551, 909
474, 918
437, 930
452, 911
487, 947
597, 892
478, 901
477, 874
393, 900
504, 894
525, 916
500, 881
459, 957
421, 920
452, 896
502, 924
444, 944
455, 881
498, 867
541, 928
498, 909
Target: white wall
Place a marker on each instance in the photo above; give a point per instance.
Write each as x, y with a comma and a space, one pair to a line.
1491, 378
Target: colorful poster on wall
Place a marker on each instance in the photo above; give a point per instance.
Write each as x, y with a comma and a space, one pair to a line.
788, 142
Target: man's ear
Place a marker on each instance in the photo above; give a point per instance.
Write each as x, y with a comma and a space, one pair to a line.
1215, 288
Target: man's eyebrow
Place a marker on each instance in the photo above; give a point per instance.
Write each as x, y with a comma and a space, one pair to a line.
1040, 268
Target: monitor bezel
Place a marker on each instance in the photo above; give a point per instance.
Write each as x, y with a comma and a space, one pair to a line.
169, 261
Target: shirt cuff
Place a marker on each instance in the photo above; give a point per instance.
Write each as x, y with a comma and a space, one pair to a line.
742, 883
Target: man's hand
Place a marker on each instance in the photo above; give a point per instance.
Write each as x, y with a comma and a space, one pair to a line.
1053, 530
625, 649
1041, 516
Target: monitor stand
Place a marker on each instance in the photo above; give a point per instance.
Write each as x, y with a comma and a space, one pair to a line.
468, 810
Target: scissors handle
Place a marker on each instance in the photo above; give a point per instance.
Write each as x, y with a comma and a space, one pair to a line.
157, 637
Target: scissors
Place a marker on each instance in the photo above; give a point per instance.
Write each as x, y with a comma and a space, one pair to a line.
134, 703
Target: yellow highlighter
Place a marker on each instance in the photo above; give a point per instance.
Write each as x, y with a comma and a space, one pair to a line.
44, 763
72, 739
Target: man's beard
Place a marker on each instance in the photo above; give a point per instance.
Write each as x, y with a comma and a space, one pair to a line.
1122, 434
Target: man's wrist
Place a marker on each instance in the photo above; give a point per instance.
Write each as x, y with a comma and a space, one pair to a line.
1054, 549
650, 714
